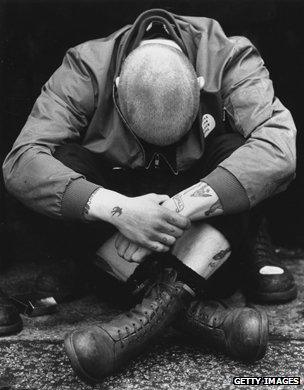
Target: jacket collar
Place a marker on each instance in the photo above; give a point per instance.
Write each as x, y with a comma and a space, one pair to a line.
133, 37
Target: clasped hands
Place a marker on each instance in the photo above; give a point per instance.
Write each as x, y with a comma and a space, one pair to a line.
149, 224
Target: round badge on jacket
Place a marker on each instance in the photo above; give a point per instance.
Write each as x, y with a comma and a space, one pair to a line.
208, 124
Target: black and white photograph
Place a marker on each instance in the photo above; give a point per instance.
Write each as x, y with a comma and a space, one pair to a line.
151, 194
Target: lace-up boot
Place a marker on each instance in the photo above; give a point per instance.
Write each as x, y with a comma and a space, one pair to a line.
10, 320
99, 350
266, 280
239, 332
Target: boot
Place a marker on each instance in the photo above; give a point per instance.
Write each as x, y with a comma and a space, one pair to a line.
266, 281
100, 350
241, 333
10, 320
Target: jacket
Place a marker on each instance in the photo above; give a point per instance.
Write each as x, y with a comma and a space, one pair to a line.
76, 105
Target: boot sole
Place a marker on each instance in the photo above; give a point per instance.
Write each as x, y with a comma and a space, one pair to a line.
6, 330
70, 351
274, 297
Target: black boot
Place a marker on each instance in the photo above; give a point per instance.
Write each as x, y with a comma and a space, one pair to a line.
64, 280
241, 333
278, 286
69, 280
100, 350
10, 320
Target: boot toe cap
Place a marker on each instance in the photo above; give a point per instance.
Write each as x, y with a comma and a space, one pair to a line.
91, 353
249, 334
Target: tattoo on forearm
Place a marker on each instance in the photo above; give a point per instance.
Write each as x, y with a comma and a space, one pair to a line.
179, 203
203, 191
215, 207
221, 254
116, 211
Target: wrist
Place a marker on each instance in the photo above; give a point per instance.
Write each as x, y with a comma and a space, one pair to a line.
169, 204
101, 205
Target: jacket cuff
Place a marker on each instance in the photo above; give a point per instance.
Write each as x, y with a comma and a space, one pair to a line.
231, 193
76, 197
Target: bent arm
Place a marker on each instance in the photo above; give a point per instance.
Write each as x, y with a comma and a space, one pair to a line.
60, 115
265, 164
197, 202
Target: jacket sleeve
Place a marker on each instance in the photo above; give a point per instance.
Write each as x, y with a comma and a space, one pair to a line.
60, 115
265, 164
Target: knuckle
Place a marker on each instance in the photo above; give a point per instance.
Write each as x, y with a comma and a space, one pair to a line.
155, 247
178, 233
168, 240
173, 240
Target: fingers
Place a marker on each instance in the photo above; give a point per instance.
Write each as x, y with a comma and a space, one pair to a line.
177, 220
132, 248
140, 254
157, 246
118, 239
171, 230
122, 246
166, 239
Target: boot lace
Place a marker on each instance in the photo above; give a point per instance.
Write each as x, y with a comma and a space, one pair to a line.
263, 247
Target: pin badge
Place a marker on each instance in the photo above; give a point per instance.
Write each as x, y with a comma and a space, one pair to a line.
208, 124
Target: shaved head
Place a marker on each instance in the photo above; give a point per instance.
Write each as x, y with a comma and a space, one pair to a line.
158, 93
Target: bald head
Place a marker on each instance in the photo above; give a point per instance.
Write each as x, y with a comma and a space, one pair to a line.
158, 93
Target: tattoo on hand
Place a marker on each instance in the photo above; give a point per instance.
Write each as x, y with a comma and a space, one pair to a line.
221, 254
179, 203
203, 191
116, 211
215, 207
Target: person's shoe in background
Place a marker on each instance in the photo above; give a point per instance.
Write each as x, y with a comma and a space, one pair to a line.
265, 279
10, 320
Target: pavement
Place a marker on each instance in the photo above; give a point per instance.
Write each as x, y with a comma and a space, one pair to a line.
34, 359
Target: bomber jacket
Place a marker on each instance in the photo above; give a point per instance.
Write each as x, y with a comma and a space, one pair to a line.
76, 105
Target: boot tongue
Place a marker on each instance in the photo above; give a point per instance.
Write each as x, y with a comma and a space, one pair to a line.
164, 278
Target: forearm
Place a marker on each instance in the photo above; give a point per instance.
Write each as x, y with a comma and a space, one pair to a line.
196, 202
44, 184
104, 205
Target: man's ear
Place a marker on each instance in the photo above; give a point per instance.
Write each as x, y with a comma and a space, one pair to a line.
201, 82
117, 81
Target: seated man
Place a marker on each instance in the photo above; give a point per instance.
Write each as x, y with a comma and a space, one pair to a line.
162, 136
